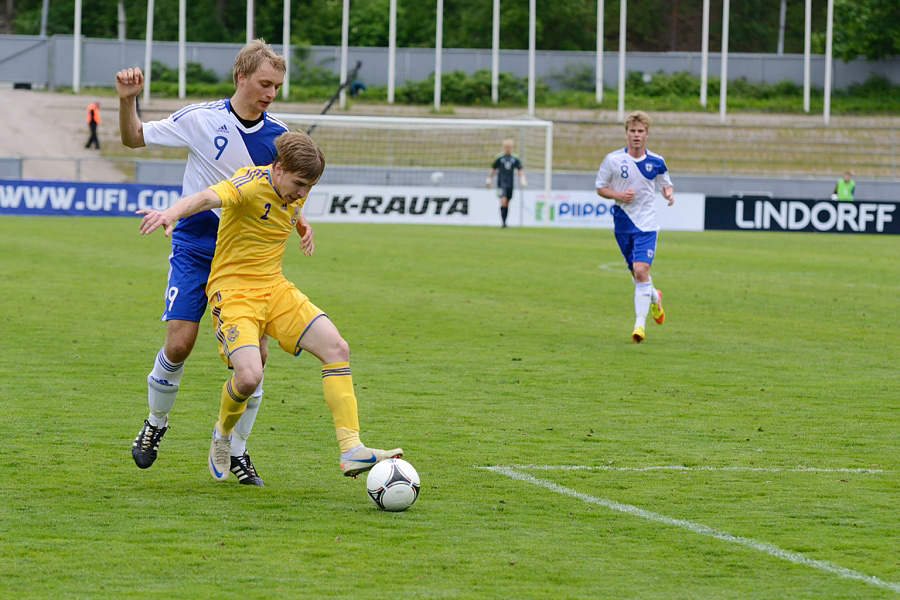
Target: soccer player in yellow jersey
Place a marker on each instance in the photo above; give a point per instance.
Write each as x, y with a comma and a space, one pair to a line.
249, 296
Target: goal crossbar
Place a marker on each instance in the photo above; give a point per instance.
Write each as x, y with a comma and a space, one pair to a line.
478, 140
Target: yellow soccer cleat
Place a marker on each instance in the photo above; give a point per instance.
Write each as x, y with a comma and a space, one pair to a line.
637, 336
656, 309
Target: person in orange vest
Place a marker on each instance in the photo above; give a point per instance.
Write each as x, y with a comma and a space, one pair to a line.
93, 119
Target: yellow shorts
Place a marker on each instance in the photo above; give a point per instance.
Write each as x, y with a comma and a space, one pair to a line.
241, 317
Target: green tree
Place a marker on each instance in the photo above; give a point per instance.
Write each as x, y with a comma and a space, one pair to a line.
869, 28
207, 20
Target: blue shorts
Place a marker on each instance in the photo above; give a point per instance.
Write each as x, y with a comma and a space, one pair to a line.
186, 289
638, 247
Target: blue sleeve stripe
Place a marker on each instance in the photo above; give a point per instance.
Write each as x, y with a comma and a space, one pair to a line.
192, 107
656, 156
276, 122
248, 177
242, 180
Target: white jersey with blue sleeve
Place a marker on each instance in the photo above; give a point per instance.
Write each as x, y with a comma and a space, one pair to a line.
619, 171
218, 145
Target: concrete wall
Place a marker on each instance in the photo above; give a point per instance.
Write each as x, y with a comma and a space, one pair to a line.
48, 62
10, 168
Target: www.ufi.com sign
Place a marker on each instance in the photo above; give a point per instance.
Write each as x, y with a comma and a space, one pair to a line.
25, 197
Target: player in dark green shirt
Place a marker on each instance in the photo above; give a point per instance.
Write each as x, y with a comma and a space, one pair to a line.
504, 165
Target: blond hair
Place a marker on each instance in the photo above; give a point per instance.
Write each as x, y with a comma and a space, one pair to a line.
638, 116
297, 153
254, 54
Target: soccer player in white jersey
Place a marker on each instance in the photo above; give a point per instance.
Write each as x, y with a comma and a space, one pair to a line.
221, 137
632, 176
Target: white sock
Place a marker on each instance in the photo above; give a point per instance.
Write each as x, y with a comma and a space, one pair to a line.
642, 293
654, 297
162, 387
244, 425
166, 371
158, 421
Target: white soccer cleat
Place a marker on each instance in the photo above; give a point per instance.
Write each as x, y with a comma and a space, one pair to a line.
365, 458
219, 457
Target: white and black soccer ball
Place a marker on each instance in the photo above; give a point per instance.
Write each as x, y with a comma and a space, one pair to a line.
393, 484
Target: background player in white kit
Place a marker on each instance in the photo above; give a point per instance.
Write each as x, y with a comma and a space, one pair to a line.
632, 176
222, 137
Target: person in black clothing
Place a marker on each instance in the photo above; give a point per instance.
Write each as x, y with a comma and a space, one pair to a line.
505, 164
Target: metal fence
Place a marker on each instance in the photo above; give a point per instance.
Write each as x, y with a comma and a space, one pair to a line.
47, 62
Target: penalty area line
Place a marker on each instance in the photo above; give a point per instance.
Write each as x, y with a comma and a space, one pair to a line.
798, 469
764, 547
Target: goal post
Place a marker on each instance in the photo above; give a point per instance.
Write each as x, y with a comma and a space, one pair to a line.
424, 151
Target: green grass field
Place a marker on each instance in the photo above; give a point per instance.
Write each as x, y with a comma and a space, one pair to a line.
773, 385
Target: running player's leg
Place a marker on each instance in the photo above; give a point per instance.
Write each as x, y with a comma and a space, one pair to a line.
185, 303
642, 294
642, 255
656, 307
626, 246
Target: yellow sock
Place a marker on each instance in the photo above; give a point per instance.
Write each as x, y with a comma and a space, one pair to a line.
341, 401
231, 409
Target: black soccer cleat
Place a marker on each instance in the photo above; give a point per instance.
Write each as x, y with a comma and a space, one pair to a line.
146, 444
244, 470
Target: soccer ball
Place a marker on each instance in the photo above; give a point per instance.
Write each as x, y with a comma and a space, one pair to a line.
393, 484
437, 176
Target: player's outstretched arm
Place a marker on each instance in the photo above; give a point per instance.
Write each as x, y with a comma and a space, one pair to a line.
129, 83
306, 236
187, 206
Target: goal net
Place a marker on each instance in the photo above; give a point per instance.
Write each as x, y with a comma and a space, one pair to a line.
405, 151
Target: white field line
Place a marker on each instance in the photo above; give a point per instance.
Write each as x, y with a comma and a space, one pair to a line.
770, 549
613, 266
799, 469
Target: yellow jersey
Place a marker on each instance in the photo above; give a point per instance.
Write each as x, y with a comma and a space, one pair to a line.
253, 230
